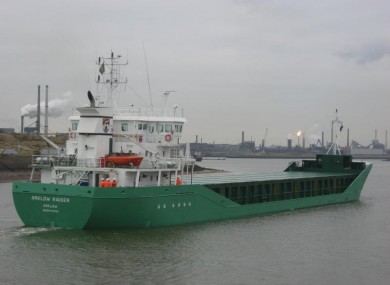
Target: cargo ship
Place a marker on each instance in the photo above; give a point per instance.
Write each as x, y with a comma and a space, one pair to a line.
126, 168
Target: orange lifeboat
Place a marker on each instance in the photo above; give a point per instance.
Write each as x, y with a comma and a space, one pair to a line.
124, 159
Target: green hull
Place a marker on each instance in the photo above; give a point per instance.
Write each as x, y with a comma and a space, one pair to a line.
63, 206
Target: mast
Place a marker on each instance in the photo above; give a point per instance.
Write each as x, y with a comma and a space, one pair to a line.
109, 80
334, 143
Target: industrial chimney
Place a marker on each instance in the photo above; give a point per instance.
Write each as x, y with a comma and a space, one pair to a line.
22, 125
39, 111
376, 136
289, 144
46, 111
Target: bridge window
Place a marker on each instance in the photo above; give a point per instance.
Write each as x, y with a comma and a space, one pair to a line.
168, 128
142, 127
178, 128
74, 126
125, 127
160, 128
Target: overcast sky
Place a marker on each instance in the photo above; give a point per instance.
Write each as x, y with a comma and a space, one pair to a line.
235, 65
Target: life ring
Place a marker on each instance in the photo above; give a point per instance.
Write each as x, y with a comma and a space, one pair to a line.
168, 138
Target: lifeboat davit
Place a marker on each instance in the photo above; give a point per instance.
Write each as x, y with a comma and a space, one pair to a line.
124, 159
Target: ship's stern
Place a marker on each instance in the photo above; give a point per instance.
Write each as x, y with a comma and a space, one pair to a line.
52, 205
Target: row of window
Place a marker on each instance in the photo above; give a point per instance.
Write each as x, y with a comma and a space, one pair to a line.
160, 128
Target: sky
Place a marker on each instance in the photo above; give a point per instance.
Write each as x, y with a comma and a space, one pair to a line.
235, 65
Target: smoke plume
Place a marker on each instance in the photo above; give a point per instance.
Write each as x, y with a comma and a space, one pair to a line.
56, 106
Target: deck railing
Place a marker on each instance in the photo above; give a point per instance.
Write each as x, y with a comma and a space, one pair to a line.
47, 161
151, 112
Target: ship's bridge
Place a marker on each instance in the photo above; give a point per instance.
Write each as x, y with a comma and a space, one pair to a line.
133, 127
149, 129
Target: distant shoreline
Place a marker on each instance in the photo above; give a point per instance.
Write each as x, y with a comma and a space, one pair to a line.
295, 156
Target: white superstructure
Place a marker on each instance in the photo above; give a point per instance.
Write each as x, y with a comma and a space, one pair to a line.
102, 131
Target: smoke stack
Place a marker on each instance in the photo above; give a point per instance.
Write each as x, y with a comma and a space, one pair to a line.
386, 139
322, 139
242, 134
91, 99
196, 139
22, 125
39, 110
47, 110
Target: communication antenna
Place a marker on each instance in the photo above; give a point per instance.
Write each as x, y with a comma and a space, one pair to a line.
147, 74
166, 95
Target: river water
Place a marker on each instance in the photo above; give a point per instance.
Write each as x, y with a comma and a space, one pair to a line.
341, 244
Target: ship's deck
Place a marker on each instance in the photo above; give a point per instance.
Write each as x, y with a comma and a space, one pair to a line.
224, 178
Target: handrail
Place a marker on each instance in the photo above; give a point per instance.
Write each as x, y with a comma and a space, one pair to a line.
150, 112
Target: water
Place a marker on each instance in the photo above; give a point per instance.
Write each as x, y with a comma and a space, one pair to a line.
342, 244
